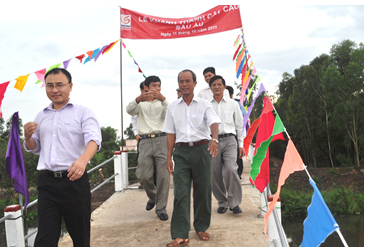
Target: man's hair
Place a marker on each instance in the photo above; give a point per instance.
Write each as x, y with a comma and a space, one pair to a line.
187, 70
230, 90
209, 69
57, 71
216, 77
141, 85
177, 89
151, 79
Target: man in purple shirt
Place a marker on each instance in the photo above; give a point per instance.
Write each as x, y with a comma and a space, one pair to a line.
65, 136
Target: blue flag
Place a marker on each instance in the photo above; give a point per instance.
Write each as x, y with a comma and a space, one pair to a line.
14, 160
319, 223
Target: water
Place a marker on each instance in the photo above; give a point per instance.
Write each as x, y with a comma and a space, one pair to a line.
352, 229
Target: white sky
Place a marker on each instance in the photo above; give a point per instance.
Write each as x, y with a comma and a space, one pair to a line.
38, 34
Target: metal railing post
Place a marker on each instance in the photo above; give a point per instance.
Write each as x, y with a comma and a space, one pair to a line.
124, 175
14, 226
118, 171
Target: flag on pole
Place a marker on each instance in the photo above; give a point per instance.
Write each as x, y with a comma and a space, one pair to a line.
292, 162
14, 160
319, 223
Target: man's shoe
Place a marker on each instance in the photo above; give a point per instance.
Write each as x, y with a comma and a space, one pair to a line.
222, 210
149, 206
236, 210
163, 216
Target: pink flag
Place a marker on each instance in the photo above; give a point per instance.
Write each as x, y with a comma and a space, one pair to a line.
40, 75
3, 87
292, 163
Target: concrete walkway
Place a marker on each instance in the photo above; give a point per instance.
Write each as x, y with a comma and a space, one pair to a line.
123, 221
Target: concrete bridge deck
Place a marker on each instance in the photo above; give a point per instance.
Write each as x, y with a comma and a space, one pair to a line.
123, 221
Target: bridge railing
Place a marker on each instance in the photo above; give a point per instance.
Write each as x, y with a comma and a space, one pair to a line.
13, 215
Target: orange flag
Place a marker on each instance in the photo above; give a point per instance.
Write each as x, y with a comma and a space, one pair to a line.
292, 163
20, 82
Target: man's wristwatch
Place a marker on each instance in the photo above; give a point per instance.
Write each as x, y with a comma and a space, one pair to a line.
215, 140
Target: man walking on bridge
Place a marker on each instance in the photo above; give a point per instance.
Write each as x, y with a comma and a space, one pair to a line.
66, 136
226, 182
187, 125
151, 109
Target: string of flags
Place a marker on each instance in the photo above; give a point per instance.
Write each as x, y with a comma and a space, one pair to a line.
320, 222
83, 58
139, 69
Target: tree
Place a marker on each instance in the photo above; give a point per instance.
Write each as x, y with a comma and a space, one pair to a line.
129, 132
322, 107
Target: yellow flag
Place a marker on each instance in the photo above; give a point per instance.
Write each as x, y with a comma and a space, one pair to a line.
20, 82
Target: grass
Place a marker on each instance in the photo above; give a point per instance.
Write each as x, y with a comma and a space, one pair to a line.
339, 201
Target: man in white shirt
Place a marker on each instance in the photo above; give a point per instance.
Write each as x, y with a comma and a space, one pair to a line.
187, 125
226, 182
206, 93
151, 109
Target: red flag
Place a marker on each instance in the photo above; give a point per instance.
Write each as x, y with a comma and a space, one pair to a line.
3, 87
134, 25
80, 57
238, 49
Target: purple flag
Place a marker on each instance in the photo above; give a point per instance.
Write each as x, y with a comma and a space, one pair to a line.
65, 63
14, 160
249, 109
319, 223
99, 52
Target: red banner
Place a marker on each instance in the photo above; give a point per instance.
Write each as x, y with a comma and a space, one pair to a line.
135, 25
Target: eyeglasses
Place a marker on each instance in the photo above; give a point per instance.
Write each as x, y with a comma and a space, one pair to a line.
57, 86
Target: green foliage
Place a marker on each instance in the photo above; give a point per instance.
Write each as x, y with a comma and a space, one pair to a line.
322, 107
339, 201
129, 132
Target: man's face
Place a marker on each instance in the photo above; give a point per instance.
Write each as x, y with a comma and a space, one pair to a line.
217, 87
155, 86
207, 76
58, 95
186, 83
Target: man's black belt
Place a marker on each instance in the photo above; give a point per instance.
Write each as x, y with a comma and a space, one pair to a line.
58, 174
153, 135
226, 135
192, 144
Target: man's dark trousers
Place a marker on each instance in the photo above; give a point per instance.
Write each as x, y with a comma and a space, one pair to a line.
60, 197
191, 164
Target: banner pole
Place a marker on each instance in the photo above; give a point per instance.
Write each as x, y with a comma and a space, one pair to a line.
121, 84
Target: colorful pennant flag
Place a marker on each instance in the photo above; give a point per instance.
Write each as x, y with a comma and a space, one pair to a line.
65, 63
292, 163
99, 53
80, 57
14, 160
319, 223
267, 124
20, 82
235, 54
261, 150
108, 49
249, 109
3, 87
268, 107
129, 53
40, 75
